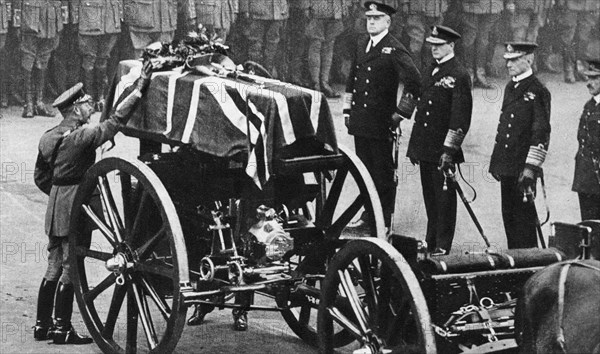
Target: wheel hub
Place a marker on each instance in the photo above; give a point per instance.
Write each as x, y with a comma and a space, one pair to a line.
119, 264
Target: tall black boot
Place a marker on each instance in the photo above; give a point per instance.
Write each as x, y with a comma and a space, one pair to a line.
40, 108
28, 107
101, 86
64, 333
87, 78
43, 323
3, 81
314, 64
326, 60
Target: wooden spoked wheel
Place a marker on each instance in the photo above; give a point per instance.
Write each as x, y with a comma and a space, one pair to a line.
128, 258
371, 291
343, 193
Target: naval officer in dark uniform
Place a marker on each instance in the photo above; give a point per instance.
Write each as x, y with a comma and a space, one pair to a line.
521, 144
379, 65
443, 118
65, 154
587, 161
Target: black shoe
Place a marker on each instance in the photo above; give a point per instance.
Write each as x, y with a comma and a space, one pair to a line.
67, 335
199, 314
42, 332
329, 92
240, 320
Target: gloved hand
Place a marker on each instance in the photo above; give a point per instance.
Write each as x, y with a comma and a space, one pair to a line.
446, 163
526, 181
145, 75
396, 119
347, 120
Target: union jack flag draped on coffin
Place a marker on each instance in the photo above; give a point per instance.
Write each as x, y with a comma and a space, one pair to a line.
214, 114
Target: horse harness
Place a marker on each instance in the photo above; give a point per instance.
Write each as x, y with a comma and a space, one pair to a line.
562, 280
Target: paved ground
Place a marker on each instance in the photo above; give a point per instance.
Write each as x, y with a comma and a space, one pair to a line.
23, 242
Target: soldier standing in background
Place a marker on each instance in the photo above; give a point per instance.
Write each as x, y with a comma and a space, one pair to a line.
521, 144
266, 23
99, 27
587, 161
422, 15
576, 21
478, 19
526, 18
442, 120
216, 16
40, 22
5, 20
155, 21
324, 25
370, 111
296, 44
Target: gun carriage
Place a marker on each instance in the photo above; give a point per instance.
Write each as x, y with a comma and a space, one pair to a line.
253, 196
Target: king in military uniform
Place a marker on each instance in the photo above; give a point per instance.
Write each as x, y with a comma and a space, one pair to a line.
380, 63
521, 143
443, 118
587, 161
65, 154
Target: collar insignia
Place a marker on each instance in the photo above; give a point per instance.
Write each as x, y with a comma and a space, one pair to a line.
434, 31
373, 7
509, 48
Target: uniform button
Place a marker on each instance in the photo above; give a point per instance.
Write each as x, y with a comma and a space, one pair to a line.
367, 81
365, 105
419, 99
430, 102
506, 146
425, 124
508, 135
353, 103
355, 78
366, 93
369, 68
426, 113
354, 91
510, 125
512, 115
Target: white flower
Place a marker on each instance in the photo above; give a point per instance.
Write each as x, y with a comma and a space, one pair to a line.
446, 82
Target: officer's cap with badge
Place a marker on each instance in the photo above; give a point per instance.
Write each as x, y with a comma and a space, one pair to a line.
72, 96
514, 50
378, 9
594, 68
442, 35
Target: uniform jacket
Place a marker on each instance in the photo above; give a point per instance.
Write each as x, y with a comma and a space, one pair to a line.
217, 13
483, 6
96, 17
156, 15
524, 122
66, 164
265, 9
580, 5
42, 18
588, 135
373, 82
446, 103
326, 9
432, 8
5, 15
